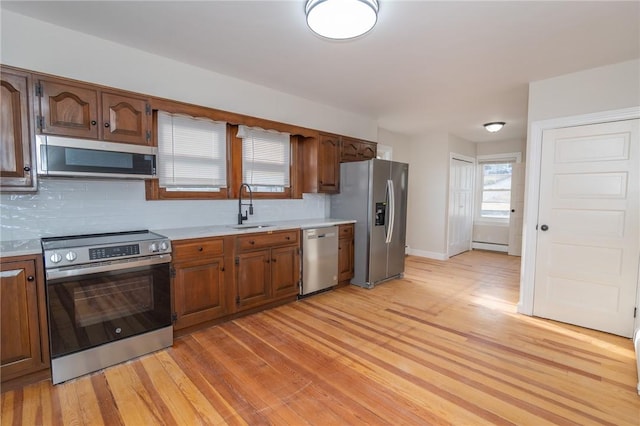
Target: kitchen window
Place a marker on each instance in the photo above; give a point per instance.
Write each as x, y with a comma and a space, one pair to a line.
192, 154
494, 191
266, 160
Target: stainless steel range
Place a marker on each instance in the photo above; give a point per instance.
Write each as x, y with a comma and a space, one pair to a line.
108, 299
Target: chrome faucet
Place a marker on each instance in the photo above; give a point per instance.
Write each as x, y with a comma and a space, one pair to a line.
242, 217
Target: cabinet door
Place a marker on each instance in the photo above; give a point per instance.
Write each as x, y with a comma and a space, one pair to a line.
253, 278
285, 271
328, 164
68, 110
20, 350
367, 150
349, 150
345, 259
16, 163
199, 291
125, 119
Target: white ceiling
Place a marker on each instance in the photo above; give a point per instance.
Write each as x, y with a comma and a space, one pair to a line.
426, 64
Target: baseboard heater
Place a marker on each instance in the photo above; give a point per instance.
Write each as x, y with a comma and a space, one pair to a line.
479, 245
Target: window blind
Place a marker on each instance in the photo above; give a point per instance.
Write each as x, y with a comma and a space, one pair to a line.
265, 158
192, 153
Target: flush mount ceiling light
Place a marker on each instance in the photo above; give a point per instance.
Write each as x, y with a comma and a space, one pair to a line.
494, 126
341, 19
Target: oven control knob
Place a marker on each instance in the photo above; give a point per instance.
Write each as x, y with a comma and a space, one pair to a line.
164, 246
71, 256
55, 257
153, 247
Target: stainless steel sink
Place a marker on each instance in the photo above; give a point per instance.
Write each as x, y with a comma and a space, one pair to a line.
250, 226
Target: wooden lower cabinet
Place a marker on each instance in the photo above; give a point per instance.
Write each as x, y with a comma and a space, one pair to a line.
267, 268
345, 253
200, 280
24, 343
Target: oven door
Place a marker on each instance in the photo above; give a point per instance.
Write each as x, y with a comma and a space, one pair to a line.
89, 310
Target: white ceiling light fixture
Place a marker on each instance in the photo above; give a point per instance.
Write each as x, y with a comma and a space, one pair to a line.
494, 126
341, 19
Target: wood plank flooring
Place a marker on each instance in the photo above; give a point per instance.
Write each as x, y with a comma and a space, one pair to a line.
444, 345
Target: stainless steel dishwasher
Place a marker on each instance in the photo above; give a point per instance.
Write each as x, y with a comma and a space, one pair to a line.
319, 259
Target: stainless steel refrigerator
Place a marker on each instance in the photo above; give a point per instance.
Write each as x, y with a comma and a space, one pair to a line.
374, 193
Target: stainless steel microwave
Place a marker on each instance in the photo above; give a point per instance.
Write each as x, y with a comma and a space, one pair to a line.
59, 156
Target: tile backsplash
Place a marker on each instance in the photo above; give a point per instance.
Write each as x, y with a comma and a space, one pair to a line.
75, 206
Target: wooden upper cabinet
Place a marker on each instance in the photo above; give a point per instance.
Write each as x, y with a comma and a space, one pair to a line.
356, 150
125, 119
68, 110
328, 164
17, 163
86, 111
320, 165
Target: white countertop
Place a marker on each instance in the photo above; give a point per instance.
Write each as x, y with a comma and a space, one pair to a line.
20, 248
185, 233
30, 247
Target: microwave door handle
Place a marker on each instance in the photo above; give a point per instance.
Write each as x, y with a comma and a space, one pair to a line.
392, 210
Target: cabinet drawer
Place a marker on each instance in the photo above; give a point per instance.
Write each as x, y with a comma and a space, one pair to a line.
346, 231
267, 239
190, 249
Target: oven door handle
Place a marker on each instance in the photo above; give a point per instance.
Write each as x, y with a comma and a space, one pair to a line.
115, 265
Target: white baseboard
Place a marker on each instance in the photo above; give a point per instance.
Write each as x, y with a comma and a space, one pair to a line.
488, 246
427, 254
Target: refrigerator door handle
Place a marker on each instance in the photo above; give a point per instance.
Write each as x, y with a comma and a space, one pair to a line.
392, 210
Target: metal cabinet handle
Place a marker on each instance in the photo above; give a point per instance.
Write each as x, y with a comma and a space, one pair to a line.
27, 169
30, 278
94, 122
544, 228
200, 249
106, 124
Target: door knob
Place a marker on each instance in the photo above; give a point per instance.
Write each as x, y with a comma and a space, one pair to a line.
544, 227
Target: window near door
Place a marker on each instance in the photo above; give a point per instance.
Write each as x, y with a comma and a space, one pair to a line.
494, 189
265, 159
192, 153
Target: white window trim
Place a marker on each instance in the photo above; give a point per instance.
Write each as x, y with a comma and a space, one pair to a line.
515, 157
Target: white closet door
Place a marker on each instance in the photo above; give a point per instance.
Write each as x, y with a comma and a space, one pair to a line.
588, 238
461, 175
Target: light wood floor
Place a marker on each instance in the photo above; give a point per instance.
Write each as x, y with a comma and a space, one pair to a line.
444, 345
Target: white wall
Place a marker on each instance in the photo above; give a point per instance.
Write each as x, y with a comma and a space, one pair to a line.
401, 145
605, 88
39, 46
62, 207
462, 146
428, 177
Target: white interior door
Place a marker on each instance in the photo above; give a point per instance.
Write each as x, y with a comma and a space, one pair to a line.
588, 238
517, 209
461, 175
